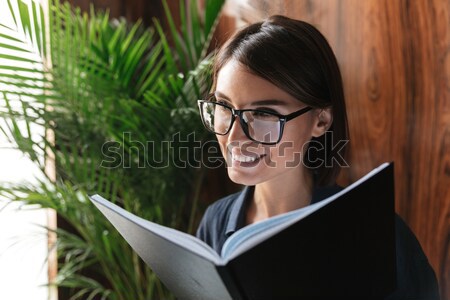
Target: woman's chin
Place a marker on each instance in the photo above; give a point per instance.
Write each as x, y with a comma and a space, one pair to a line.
240, 176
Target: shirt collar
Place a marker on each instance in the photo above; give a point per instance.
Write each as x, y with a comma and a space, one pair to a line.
236, 218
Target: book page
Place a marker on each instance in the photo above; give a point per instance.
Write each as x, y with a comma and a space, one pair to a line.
182, 239
187, 266
251, 235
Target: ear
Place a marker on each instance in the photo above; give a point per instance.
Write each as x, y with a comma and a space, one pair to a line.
323, 119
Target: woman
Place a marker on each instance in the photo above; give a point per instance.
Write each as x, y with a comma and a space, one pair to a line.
277, 109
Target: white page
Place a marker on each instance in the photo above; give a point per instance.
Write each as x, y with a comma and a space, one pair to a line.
180, 238
187, 273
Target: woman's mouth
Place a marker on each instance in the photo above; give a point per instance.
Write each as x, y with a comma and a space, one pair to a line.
245, 160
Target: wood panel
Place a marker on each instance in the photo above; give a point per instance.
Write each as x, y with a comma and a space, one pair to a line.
394, 57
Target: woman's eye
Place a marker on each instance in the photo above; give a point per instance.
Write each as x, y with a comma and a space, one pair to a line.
259, 114
266, 111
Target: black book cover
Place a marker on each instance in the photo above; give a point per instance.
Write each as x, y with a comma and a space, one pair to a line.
344, 250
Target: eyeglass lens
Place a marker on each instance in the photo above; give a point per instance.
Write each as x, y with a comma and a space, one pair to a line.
257, 125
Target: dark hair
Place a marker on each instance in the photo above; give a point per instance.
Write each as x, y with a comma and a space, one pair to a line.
297, 58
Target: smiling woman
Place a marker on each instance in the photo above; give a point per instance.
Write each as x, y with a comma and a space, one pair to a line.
282, 73
246, 90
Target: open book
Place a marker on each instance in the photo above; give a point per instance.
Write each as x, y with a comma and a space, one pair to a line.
342, 246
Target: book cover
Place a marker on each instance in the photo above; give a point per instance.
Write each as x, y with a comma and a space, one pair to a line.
340, 247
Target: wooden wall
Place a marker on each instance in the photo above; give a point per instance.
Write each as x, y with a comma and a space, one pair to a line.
395, 61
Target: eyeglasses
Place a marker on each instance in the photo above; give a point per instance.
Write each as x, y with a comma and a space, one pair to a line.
260, 126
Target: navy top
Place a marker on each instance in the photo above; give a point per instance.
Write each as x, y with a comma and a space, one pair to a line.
415, 277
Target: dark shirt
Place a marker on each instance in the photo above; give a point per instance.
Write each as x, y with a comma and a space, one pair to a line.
416, 279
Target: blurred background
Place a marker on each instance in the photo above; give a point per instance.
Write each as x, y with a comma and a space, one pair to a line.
76, 76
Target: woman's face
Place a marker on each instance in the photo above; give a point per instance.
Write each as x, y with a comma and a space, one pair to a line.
248, 162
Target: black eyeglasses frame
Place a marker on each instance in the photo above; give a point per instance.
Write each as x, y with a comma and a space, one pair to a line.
239, 113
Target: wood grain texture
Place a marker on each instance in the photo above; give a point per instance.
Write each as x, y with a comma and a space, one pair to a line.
395, 61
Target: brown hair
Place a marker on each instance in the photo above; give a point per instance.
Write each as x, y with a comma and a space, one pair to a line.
297, 58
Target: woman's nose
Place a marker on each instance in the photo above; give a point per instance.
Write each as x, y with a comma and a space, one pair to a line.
236, 132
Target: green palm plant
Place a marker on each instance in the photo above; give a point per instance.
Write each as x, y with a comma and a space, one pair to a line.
112, 94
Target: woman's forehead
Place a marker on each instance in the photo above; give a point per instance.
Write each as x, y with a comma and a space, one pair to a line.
238, 85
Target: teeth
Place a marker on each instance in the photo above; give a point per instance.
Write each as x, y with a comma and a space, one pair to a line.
243, 158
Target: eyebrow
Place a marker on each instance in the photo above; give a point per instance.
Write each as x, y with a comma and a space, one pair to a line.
257, 102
